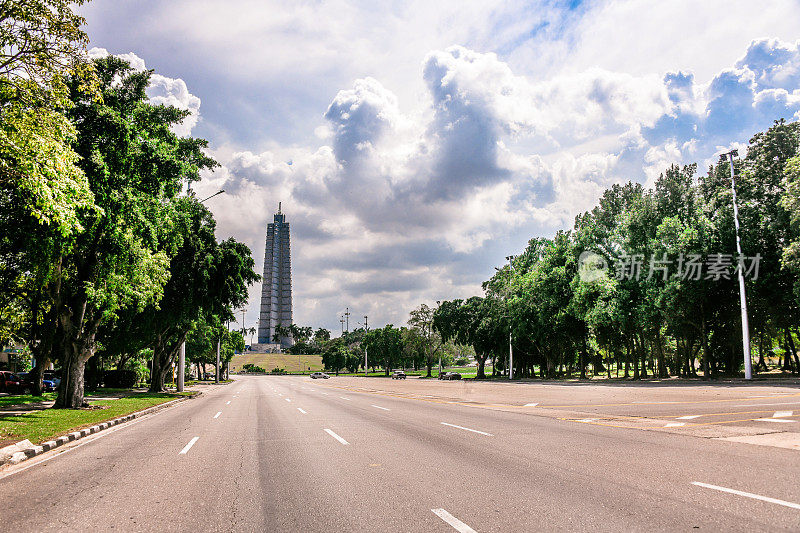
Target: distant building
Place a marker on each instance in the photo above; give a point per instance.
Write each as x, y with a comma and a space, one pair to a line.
276, 288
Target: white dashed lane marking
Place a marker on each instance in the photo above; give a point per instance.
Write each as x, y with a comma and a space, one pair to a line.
188, 447
467, 429
748, 495
337, 437
454, 522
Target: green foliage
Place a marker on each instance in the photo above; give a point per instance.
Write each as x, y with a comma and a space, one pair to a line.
652, 323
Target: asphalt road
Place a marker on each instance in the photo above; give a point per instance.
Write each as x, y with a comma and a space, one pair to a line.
349, 454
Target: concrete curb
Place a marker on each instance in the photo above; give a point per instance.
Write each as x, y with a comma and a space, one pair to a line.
23, 450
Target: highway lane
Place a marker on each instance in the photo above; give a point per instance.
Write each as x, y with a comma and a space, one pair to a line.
267, 463
588, 469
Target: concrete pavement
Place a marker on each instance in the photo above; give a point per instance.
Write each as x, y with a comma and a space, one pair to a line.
293, 454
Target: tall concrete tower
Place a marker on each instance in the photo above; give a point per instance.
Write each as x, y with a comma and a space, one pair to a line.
276, 288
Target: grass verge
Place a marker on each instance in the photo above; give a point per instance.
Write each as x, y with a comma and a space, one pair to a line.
43, 425
21, 399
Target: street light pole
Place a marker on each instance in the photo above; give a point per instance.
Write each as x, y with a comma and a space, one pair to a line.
181, 365
438, 305
748, 368
216, 372
366, 330
347, 317
510, 347
213, 195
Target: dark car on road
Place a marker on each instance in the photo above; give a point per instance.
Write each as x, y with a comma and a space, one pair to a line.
26, 383
319, 375
10, 382
54, 376
450, 375
398, 374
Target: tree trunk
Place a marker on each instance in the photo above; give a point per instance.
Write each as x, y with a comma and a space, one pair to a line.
643, 354
761, 366
790, 341
78, 346
706, 354
71, 391
164, 354
35, 375
582, 358
481, 366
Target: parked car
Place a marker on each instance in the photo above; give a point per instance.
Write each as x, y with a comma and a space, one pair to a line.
26, 383
319, 375
450, 375
10, 382
54, 376
398, 374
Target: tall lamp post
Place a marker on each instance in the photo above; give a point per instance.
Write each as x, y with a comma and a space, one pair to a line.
510, 347
438, 305
366, 330
748, 368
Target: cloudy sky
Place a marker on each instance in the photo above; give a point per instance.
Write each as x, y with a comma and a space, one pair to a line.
416, 144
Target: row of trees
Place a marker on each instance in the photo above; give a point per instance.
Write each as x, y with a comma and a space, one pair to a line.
653, 310
414, 346
99, 251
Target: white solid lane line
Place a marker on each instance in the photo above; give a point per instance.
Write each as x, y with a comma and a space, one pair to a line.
782, 414
454, 522
675, 424
689, 417
467, 429
748, 495
217, 415
301, 411
188, 447
781, 420
379, 407
335, 436
530, 405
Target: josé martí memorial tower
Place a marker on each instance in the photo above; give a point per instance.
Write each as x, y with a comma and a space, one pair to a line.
276, 288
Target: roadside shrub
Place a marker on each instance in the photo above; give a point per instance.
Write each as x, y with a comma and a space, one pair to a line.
120, 379
277, 370
250, 367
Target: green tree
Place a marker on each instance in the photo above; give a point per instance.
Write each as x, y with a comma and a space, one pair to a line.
420, 323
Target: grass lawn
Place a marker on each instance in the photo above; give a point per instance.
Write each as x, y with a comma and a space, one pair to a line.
268, 361
465, 371
39, 426
18, 399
